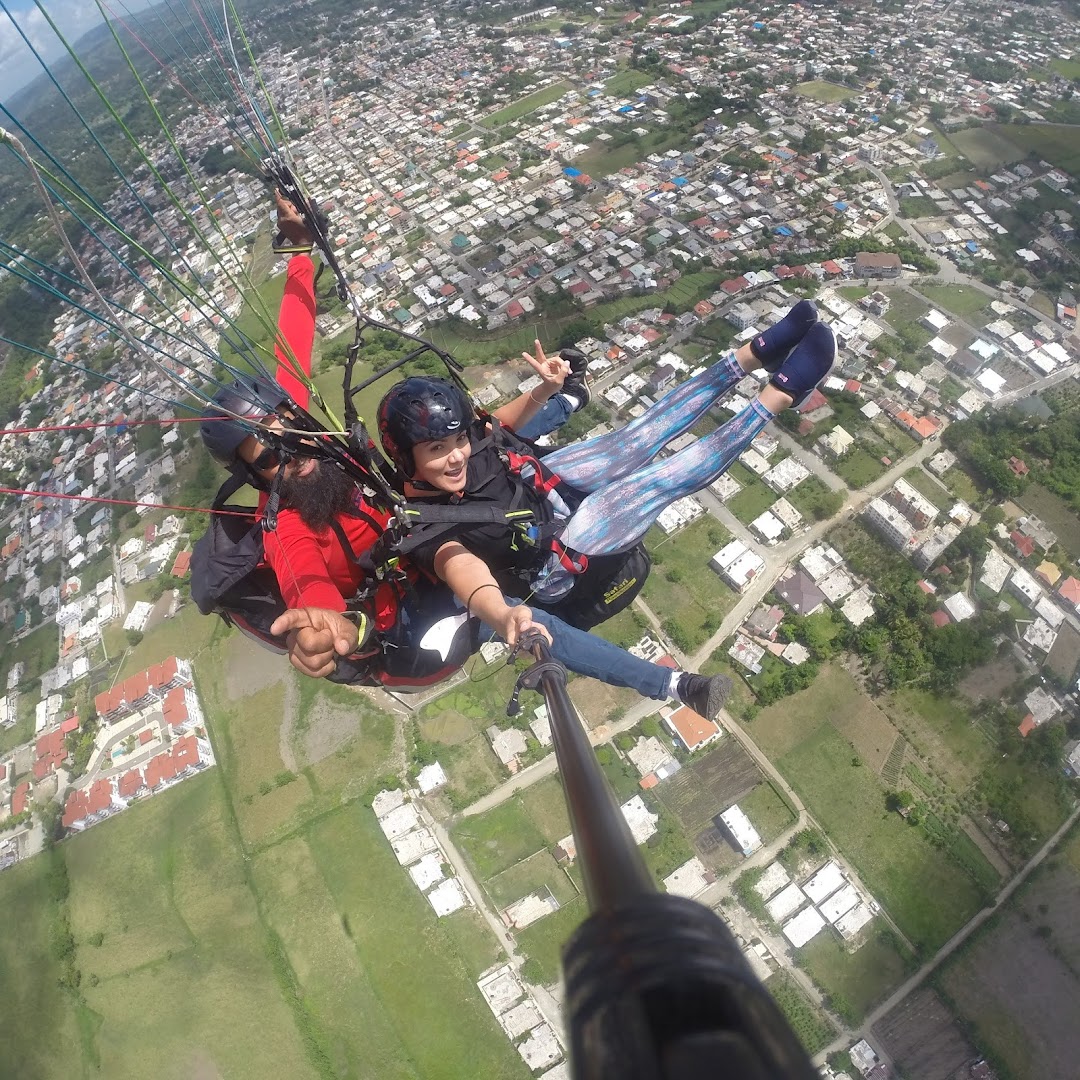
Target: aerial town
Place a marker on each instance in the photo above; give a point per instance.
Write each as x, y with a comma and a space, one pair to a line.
885, 813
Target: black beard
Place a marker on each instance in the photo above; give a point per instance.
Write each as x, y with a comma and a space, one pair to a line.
320, 496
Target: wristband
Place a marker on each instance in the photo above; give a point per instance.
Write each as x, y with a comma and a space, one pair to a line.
533, 398
486, 585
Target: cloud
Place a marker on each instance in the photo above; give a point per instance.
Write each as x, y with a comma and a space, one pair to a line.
17, 63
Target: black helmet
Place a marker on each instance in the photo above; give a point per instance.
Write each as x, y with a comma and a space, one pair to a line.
221, 432
418, 410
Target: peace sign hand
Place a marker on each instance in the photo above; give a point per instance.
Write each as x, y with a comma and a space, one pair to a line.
551, 369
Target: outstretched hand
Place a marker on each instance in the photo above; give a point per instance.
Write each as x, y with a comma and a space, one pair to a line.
316, 637
551, 369
289, 221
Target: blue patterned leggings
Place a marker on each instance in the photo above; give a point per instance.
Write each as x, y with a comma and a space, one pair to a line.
628, 486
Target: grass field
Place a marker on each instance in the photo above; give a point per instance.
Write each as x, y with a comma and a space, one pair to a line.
918, 206
824, 91
1068, 68
496, 840
523, 106
858, 467
1056, 513
627, 82
538, 872
768, 811
924, 483
985, 148
965, 302
602, 160
854, 982
927, 894
681, 585
806, 1019
543, 941
41, 1030
1057, 143
544, 803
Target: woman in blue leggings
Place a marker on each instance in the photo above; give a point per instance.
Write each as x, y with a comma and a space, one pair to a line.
594, 498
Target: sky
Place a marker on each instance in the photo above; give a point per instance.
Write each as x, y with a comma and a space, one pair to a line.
74, 17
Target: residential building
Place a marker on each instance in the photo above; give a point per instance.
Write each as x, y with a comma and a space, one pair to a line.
743, 835
692, 730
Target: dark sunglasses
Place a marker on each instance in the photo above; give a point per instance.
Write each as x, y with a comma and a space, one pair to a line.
268, 459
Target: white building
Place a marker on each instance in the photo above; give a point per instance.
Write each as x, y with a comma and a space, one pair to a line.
737, 564
743, 833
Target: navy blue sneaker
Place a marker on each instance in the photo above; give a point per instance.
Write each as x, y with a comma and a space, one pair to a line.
808, 363
704, 694
772, 347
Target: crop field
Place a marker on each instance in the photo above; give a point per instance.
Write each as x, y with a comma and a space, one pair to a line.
523, 106
824, 91
857, 981
1034, 943
942, 731
708, 786
922, 1036
806, 1019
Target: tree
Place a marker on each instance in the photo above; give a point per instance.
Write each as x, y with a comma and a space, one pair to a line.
133, 637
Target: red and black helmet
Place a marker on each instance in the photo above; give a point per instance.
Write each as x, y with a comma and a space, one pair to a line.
420, 409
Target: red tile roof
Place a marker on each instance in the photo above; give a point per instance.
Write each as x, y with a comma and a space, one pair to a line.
1069, 590
1024, 544
940, 618
70, 724
100, 796
19, 797
76, 808
129, 783
1027, 725
174, 707
185, 753
692, 728
145, 736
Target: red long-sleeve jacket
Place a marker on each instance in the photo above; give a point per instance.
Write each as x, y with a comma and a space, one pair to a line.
312, 569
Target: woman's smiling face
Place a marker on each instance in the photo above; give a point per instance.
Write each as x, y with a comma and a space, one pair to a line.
443, 463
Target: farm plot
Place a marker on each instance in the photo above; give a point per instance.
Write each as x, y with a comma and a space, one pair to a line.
922, 1036
710, 785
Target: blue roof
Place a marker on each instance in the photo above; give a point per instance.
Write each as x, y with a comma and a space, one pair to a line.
783, 230
759, 26
571, 171
972, 246
679, 181
840, 205
626, 109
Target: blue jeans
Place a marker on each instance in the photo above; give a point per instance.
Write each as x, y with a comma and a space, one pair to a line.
555, 412
586, 654
581, 652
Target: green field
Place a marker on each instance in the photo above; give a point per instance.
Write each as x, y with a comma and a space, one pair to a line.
926, 892
219, 932
627, 82
602, 160
496, 840
854, 982
1069, 69
808, 1022
918, 206
824, 91
1057, 143
957, 299
858, 467
926, 485
985, 148
682, 587
768, 811
523, 106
